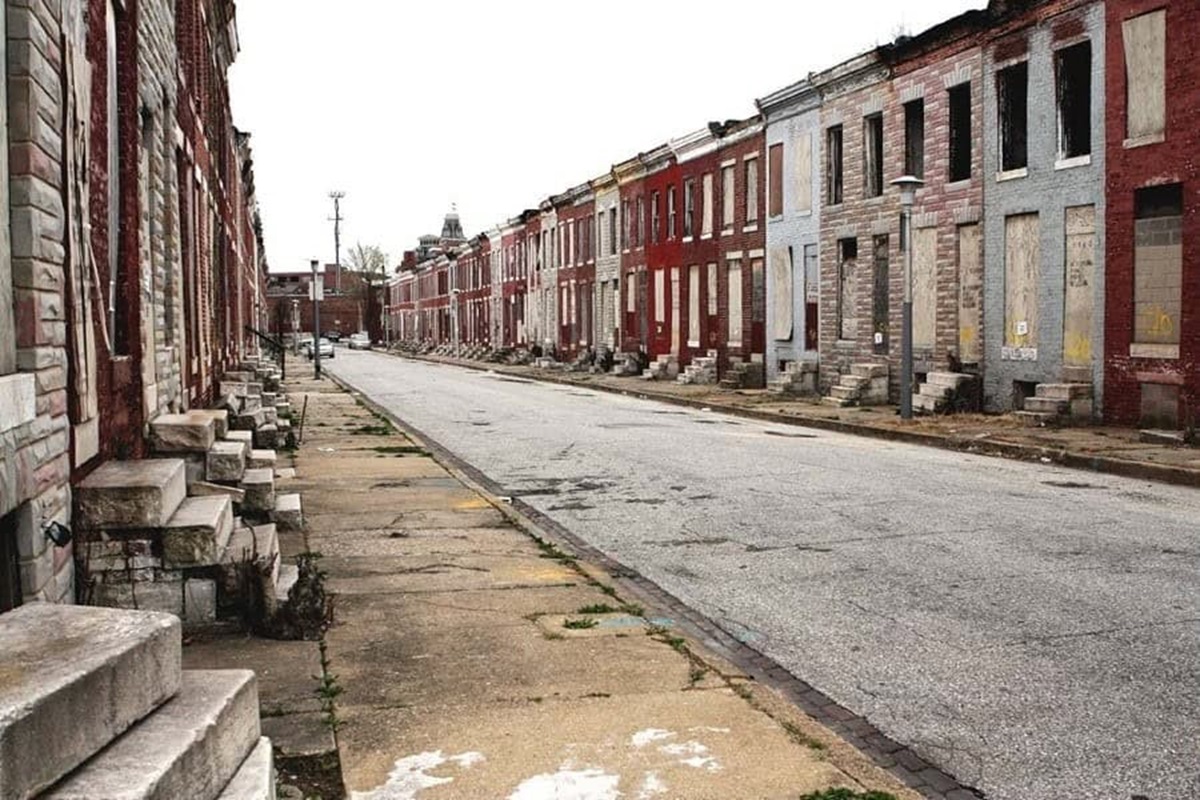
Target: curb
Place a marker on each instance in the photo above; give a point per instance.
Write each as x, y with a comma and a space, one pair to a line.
896, 759
1141, 470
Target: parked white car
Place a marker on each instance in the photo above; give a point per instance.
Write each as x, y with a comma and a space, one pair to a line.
325, 345
360, 341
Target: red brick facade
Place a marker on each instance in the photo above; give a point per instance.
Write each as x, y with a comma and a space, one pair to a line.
1137, 379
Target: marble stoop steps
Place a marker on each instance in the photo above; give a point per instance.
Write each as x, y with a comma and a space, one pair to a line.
147, 545
98, 707
866, 384
939, 388
1056, 403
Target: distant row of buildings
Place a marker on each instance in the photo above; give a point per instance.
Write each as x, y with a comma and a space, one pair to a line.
1056, 239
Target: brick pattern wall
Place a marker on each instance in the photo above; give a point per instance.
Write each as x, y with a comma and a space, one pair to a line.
858, 217
749, 238
1129, 169
160, 256
1046, 190
941, 203
35, 465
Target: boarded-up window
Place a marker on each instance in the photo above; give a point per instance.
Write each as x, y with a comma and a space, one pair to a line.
626, 217
802, 155
1073, 85
914, 138
924, 287
881, 295
734, 281
1079, 295
676, 322
1145, 75
833, 165
694, 306
752, 191
782, 294
1022, 259
641, 223
775, 180
1158, 264
631, 295
712, 290
660, 296
1012, 96
706, 221
873, 155
959, 101
970, 294
847, 285
727, 198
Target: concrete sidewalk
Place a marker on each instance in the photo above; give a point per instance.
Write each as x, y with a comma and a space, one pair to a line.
477, 658
1108, 449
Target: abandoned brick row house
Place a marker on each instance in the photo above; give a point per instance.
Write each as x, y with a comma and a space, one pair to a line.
1053, 241
131, 260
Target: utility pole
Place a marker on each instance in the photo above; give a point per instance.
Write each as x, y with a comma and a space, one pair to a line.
317, 292
336, 219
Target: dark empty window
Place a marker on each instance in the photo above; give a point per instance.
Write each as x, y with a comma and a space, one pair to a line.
775, 178
873, 155
689, 207
960, 132
1073, 84
833, 165
1012, 96
914, 138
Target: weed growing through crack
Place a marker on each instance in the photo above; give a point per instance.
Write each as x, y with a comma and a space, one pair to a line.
580, 624
802, 737
401, 450
848, 794
327, 691
551, 551
382, 429
598, 608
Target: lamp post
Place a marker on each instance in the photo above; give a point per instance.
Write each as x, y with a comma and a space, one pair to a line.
317, 291
454, 292
908, 185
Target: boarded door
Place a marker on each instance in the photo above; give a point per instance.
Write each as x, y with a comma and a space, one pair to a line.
970, 294
1022, 260
676, 321
734, 281
924, 288
812, 297
694, 306
879, 302
758, 307
1080, 275
782, 294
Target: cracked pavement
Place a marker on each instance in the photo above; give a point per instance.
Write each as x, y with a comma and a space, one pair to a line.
1030, 629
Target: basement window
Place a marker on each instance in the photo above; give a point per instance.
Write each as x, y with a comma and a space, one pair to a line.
1012, 96
1073, 84
914, 138
873, 155
833, 165
10, 570
960, 132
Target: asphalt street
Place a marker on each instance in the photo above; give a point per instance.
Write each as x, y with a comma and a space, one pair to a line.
1035, 631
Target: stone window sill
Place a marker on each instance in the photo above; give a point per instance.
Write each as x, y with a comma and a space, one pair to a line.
18, 400
1072, 163
1164, 351
1012, 175
1142, 141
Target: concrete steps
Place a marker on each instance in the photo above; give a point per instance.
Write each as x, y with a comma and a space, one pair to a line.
130, 494
192, 746
197, 532
259, 486
1064, 403
75, 679
255, 778
942, 391
288, 575
865, 385
182, 433
225, 462
288, 514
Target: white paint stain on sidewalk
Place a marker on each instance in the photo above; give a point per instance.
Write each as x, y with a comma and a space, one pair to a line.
569, 784
411, 775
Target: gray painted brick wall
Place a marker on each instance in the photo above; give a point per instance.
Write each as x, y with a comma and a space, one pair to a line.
1049, 192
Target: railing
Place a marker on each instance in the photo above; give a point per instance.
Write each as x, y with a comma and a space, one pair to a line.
275, 348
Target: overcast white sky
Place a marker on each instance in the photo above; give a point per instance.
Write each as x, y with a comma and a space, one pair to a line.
410, 105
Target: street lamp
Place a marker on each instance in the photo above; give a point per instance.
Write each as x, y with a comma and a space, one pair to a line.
317, 291
908, 185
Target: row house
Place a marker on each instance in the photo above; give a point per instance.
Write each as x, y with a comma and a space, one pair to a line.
576, 275
1152, 214
472, 289
514, 261
1049, 238
132, 271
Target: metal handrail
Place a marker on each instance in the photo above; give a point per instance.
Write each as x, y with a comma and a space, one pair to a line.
275, 347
